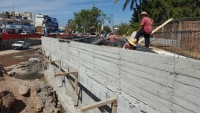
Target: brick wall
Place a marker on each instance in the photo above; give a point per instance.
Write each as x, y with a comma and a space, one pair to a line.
186, 31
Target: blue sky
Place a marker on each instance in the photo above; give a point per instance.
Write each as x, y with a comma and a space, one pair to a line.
63, 9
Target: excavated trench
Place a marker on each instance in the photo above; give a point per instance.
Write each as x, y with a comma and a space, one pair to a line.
18, 63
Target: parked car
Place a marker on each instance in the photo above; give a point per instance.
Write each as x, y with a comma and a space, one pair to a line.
20, 45
24, 32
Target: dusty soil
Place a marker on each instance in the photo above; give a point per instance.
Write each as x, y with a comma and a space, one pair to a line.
38, 96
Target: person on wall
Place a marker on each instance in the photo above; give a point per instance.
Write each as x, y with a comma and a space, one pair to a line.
145, 29
112, 39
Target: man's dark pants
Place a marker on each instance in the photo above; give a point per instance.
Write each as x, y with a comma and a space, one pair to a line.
146, 37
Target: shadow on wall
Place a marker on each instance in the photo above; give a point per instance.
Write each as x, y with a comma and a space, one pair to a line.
81, 90
92, 96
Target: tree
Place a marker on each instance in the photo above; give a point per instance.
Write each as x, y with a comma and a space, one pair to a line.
89, 20
123, 29
161, 10
107, 29
110, 19
8, 15
71, 25
135, 5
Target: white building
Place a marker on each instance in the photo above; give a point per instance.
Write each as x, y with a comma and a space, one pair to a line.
16, 22
47, 22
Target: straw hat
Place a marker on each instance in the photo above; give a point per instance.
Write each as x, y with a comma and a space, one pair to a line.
132, 41
144, 13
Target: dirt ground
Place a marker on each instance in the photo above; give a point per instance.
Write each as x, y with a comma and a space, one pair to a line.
24, 96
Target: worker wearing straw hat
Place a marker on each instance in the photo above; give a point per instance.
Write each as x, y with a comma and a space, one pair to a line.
145, 30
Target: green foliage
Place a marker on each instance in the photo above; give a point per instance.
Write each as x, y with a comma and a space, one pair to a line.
71, 25
107, 29
123, 29
87, 20
161, 10
7, 14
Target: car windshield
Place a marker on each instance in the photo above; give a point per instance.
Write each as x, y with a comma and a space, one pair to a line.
19, 43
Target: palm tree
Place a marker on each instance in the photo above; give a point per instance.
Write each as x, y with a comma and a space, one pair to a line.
8, 15
137, 7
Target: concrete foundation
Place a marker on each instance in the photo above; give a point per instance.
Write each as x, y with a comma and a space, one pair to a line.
142, 82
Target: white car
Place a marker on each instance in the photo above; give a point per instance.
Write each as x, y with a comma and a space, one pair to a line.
20, 45
24, 32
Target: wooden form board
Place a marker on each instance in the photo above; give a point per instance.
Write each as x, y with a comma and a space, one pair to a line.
67, 73
75, 85
51, 61
101, 103
158, 28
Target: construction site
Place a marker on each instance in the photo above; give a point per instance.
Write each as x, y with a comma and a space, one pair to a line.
89, 76
97, 79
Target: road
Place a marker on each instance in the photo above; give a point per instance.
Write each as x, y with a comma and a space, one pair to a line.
10, 57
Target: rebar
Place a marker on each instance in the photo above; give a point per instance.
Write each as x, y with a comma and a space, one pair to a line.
185, 43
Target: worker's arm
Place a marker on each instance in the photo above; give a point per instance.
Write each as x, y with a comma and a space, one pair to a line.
152, 21
142, 24
107, 38
117, 38
140, 28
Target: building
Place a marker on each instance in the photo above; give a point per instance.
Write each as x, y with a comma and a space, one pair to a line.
15, 22
45, 23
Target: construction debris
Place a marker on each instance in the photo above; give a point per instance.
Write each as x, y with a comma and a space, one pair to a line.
26, 96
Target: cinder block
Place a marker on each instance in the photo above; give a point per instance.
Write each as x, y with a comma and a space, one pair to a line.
178, 109
111, 50
186, 88
125, 75
187, 96
147, 87
144, 96
187, 71
148, 70
185, 104
111, 55
188, 80
149, 63
106, 58
158, 79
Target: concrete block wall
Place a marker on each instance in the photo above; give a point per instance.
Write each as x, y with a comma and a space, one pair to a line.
161, 40
142, 82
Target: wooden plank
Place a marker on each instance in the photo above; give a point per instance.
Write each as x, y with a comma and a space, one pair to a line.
114, 107
51, 61
162, 25
76, 83
98, 104
66, 73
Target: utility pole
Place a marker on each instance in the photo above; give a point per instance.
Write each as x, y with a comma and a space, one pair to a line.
13, 6
4, 22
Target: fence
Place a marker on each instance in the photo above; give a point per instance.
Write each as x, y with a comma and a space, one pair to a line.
186, 43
